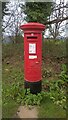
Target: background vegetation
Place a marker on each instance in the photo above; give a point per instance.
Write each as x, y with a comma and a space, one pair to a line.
51, 102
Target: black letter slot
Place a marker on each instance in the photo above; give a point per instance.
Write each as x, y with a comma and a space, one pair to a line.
32, 37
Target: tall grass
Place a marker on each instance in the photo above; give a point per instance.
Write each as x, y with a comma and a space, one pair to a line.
54, 48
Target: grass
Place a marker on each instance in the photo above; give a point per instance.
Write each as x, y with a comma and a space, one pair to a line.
49, 110
10, 75
9, 108
13, 73
51, 48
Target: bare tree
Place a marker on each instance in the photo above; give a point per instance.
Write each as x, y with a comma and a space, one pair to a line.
57, 17
12, 21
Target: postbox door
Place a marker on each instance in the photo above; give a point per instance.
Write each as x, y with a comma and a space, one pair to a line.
33, 57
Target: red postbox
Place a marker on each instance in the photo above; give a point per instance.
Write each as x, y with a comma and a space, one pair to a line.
33, 55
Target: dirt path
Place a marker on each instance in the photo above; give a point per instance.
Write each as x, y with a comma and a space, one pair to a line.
27, 112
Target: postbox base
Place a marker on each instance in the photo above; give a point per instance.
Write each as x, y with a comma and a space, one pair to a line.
35, 87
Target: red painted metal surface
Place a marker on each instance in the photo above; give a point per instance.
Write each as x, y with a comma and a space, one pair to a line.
32, 51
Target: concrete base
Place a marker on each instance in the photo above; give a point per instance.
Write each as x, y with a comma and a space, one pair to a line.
26, 112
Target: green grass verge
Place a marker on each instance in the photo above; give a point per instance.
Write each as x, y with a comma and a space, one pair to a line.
9, 108
49, 110
54, 48
11, 75
13, 72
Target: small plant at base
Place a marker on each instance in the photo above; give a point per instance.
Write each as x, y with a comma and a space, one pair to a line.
33, 99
